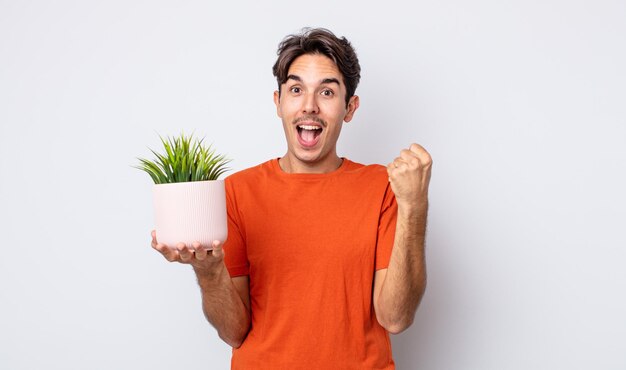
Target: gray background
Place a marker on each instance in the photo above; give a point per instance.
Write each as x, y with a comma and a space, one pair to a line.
521, 104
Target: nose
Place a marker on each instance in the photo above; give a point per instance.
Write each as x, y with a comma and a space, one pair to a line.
309, 105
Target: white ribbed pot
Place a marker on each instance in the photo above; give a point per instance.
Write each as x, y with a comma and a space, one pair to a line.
190, 211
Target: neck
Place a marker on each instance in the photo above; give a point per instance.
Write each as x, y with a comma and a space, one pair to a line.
293, 165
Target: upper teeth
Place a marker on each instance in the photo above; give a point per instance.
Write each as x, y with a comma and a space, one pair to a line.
307, 127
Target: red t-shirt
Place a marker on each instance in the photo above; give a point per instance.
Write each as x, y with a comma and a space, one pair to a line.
311, 244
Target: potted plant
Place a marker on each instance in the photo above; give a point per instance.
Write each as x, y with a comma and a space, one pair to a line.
189, 200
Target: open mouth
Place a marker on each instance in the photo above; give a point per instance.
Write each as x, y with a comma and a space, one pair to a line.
308, 135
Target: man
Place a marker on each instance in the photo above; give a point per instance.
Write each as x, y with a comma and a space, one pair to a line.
324, 257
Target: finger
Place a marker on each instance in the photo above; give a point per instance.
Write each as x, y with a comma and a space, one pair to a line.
422, 154
199, 251
185, 253
408, 156
169, 254
394, 167
154, 241
399, 162
218, 251
416, 148
411, 160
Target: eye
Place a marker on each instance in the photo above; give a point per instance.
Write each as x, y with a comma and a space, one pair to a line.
327, 92
295, 90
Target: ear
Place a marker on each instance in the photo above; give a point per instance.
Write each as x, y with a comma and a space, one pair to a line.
353, 105
277, 103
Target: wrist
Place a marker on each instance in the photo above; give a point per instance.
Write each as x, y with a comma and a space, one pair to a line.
415, 208
211, 275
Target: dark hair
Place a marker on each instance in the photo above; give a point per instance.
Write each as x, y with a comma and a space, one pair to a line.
319, 41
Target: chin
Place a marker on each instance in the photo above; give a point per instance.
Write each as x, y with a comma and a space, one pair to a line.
308, 155
308, 158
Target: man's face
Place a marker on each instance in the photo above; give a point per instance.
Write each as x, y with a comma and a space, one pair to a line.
312, 106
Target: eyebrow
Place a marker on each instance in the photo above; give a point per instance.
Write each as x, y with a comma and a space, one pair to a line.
324, 81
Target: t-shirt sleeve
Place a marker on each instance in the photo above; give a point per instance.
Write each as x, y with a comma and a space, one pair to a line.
386, 229
235, 253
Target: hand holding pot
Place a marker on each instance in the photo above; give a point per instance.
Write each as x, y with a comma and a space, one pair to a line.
196, 255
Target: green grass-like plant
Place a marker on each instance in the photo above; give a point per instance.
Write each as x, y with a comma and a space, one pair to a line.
184, 159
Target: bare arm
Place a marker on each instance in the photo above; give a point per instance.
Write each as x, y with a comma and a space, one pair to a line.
225, 300
398, 289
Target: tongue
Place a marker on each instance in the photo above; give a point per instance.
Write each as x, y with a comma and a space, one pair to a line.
308, 135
